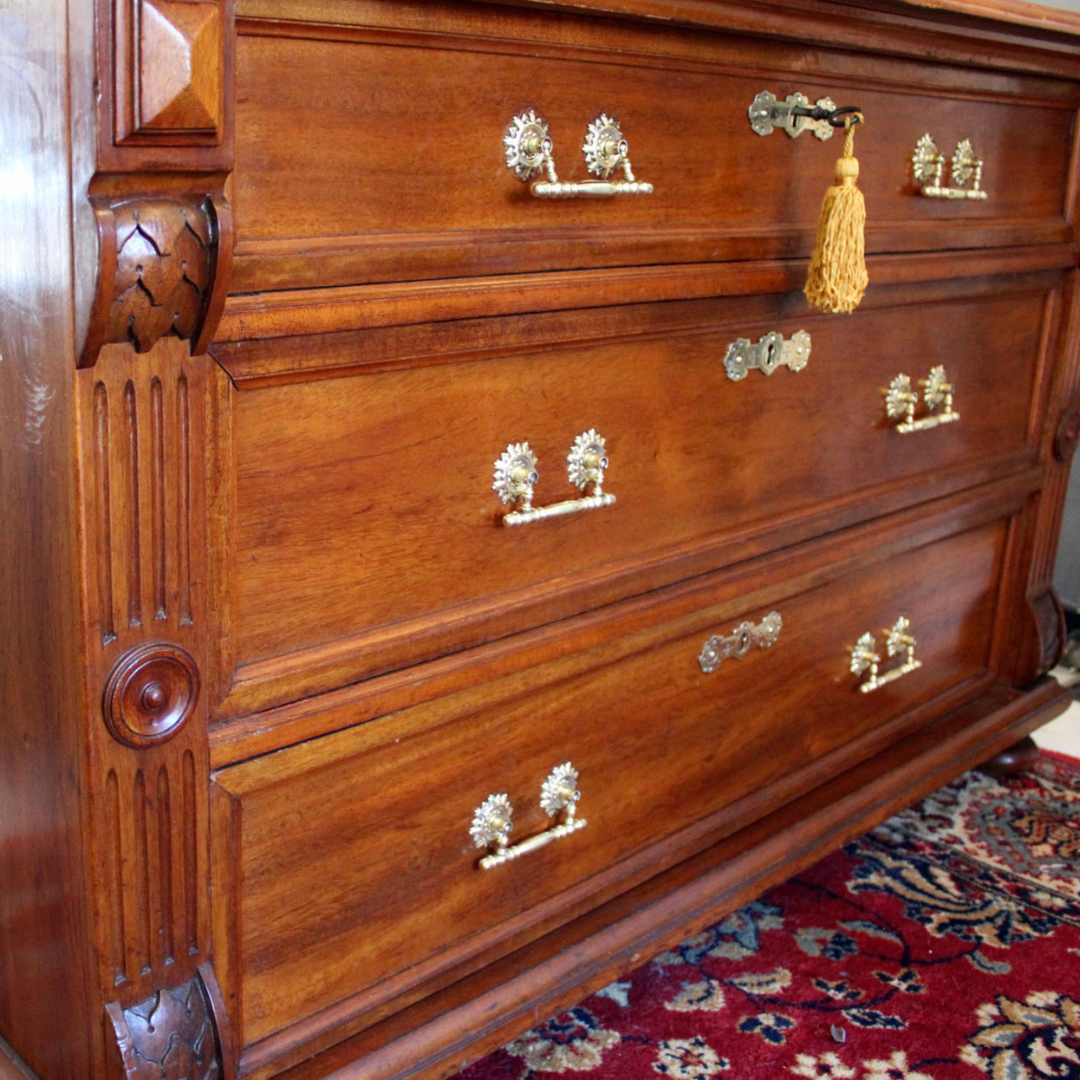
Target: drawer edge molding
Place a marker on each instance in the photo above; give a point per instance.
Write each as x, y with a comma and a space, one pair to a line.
255, 737
328, 310
271, 688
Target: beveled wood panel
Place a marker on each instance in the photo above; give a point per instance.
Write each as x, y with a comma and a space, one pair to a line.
754, 582
379, 815
403, 177
367, 535
471, 1016
169, 64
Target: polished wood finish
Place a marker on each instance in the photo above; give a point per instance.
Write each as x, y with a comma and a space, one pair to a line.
48, 1007
169, 84
814, 444
682, 100
690, 745
265, 627
485, 1008
1013, 759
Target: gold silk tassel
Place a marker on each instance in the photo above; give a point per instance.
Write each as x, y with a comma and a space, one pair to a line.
837, 277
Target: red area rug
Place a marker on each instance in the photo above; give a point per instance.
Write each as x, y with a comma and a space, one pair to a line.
944, 944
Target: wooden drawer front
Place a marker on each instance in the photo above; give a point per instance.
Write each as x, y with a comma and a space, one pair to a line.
367, 526
354, 860
394, 166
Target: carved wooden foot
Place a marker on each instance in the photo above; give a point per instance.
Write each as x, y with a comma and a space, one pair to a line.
1012, 760
172, 1035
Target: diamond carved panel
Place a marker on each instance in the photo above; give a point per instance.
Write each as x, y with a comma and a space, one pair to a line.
169, 56
179, 78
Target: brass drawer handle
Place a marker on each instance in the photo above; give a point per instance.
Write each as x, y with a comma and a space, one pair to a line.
930, 164
771, 352
492, 824
740, 641
900, 401
866, 658
516, 476
530, 151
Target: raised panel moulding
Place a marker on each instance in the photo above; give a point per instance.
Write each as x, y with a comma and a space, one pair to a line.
178, 70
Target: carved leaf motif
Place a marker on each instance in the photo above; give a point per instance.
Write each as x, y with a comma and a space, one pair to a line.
163, 270
172, 1037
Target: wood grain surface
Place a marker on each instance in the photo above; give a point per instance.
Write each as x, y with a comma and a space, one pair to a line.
267, 643
374, 534
46, 995
386, 831
384, 189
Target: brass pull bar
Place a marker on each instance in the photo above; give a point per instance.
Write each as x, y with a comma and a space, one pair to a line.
554, 510
492, 824
590, 189
930, 165
866, 658
516, 476
901, 401
530, 151
740, 641
771, 352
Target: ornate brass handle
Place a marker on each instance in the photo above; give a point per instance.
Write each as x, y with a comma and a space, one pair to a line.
771, 352
901, 400
866, 658
530, 151
516, 476
740, 641
930, 164
492, 824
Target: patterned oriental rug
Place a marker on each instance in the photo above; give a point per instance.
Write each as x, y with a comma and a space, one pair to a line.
943, 945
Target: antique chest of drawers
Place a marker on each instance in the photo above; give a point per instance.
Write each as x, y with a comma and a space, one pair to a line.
447, 559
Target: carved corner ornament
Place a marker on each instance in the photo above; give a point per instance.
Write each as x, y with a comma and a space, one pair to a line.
1050, 624
170, 62
1068, 432
150, 694
163, 271
173, 1034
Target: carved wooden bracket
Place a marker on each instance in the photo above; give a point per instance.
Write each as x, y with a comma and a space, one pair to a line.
1050, 623
1068, 432
163, 270
173, 1034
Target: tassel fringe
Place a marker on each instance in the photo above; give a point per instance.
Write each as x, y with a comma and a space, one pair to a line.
837, 278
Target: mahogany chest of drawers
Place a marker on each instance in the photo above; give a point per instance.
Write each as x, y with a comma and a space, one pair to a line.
446, 559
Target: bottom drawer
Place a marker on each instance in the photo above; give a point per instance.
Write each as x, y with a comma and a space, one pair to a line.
356, 874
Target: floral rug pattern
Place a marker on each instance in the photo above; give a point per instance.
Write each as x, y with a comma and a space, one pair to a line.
943, 945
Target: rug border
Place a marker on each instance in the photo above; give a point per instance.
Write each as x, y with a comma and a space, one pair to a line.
1057, 755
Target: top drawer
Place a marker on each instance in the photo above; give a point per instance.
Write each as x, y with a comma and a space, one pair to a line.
395, 165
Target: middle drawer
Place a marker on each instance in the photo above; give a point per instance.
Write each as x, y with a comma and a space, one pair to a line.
369, 536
